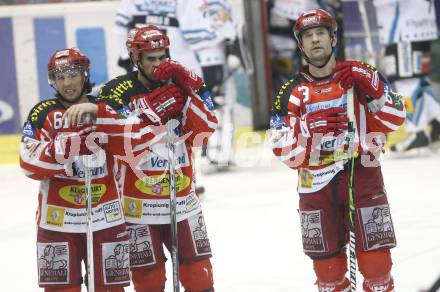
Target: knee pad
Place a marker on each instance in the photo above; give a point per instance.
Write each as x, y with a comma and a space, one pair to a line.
197, 276
150, 279
374, 264
70, 289
331, 270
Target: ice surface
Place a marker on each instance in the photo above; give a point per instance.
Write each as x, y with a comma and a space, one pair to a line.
254, 228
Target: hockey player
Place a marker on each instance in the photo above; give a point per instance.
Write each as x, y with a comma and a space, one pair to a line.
309, 125
50, 151
167, 90
185, 22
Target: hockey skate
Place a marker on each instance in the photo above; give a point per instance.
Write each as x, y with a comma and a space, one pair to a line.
435, 136
415, 144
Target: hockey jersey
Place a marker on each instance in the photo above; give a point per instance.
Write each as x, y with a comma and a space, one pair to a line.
145, 176
61, 198
320, 158
186, 22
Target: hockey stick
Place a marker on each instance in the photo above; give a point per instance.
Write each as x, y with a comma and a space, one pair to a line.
351, 190
88, 188
435, 287
173, 202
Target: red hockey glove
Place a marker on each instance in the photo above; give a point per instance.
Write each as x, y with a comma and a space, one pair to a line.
183, 77
324, 121
367, 78
65, 145
166, 102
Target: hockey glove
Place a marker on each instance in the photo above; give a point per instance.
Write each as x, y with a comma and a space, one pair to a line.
65, 145
184, 78
166, 102
324, 121
361, 74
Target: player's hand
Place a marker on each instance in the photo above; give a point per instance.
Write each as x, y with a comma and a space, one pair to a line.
70, 144
166, 102
364, 76
324, 121
80, 114
182, 77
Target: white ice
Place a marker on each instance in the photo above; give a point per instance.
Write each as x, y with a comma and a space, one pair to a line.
254, 227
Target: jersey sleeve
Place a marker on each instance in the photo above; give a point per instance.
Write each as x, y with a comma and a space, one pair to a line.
287, 143
127, 133
35, 159
389, 115
199, 120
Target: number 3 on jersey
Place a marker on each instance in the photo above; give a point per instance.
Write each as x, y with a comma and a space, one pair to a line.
305, 92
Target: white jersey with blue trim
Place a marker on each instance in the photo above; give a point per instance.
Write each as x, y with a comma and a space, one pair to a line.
405, 20
186, 22
222, 21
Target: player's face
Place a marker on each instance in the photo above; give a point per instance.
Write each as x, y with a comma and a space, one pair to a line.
317, 44
69, 84
150, 60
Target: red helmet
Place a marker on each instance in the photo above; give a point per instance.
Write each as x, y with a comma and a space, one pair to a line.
314, 18
67, 59
145, 39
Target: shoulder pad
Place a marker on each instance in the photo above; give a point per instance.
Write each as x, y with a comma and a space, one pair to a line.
39, 112
120, 89
282, 98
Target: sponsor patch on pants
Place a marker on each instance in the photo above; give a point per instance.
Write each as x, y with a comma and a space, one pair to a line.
53, 263
199, 234
116, 262
311, 231
141, 246
377, 227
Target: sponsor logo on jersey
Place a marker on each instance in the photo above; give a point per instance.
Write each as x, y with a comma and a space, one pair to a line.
323, 90
378, 227
112, 212
55, 216
40, 108
116, 262
199, 234
311, 231
96, 172
76, 194
340, 102
160, 184
132, 207
306, 178
155, 161
141, 252
53, 263
28, 130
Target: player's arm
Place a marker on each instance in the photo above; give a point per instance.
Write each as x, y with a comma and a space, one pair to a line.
293, 133
199, 120
36, 158
386, 110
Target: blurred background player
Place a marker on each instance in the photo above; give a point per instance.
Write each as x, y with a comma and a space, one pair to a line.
309, 125
218, 65
50, 151
186, 22
168, 90
407, 64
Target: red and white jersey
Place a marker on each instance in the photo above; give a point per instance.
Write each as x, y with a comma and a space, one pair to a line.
305, 94
61, 198
145, 175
